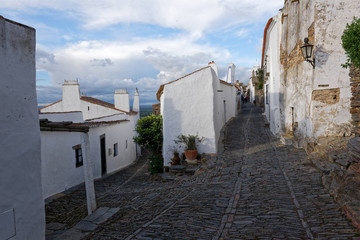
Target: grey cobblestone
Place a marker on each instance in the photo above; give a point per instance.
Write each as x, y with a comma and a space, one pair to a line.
255, 189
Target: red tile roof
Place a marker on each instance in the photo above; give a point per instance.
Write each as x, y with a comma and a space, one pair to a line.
104, 116
264, 41
97, 102
224, 82
59, 112
98, 124
46, 125
50, 104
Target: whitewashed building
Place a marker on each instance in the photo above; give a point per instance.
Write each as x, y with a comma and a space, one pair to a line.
198, 103
111, 132
22, 214
316, 100
273, 89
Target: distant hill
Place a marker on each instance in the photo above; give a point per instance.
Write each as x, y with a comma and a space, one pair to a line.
145, 110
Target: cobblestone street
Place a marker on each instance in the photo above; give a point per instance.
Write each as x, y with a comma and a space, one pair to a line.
255, 189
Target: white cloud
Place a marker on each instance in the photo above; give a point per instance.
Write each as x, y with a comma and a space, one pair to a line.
104, 65
243, 33
145, 64
192, 16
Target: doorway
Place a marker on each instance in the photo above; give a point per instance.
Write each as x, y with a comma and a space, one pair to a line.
103, 154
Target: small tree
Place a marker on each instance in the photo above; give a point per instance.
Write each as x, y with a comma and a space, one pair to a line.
351, 43
260, 75
150, 136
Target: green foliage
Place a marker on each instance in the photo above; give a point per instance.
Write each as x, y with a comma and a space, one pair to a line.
150, 133
351, 43
260, 74
189, 141
156, 164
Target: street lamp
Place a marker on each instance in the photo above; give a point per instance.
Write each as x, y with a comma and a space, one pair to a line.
306, 50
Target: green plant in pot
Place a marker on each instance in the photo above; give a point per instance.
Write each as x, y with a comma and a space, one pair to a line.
190, 146
176, 159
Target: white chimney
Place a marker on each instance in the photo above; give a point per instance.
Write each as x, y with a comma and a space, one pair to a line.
231, 73
71, 95
136, 103
121, 100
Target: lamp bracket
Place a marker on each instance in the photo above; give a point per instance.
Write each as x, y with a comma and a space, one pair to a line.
312, 62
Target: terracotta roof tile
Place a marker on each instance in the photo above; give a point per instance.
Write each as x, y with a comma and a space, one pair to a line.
50, 104
101, 103
60, 112
224, 82
264, 41
100, 123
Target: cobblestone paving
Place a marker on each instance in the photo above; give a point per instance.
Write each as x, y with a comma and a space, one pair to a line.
257, 189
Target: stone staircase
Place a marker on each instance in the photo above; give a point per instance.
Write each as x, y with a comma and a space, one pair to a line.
287, 139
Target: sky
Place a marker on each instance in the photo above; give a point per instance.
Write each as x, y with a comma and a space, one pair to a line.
128, 44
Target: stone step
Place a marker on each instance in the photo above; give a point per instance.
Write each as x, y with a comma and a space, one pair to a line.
287, 139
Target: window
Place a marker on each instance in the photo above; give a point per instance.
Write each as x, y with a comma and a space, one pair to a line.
78, 155
116, 152
126, 144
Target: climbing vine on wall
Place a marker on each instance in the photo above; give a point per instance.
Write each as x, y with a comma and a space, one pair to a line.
351, 43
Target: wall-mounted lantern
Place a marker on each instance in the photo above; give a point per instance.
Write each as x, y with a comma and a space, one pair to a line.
306, 50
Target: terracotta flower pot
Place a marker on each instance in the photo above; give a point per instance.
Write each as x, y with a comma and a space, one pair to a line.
191, 154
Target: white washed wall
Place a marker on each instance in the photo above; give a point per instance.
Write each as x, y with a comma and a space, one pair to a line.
89, 110
59, 171
272, 109
116, 133
60, 117
21, 205
187, 108
227, 93
332, 17
316, 119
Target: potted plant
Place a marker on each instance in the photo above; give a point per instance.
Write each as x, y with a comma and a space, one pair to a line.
176, 159
190, 146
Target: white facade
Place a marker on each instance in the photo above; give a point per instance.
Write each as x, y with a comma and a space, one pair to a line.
316, 100
90, 107
22, 214
251, 90
196, 104
273, 88
59, 171
111, 137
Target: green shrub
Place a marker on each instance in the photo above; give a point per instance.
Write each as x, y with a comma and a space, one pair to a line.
260, 74
351, 43
156, 164
150, 135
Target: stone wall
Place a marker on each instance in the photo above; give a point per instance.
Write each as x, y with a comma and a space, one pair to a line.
355, 99
339, 158
315, 100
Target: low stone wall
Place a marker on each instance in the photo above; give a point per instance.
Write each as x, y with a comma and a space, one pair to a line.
355, 99
338, 159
